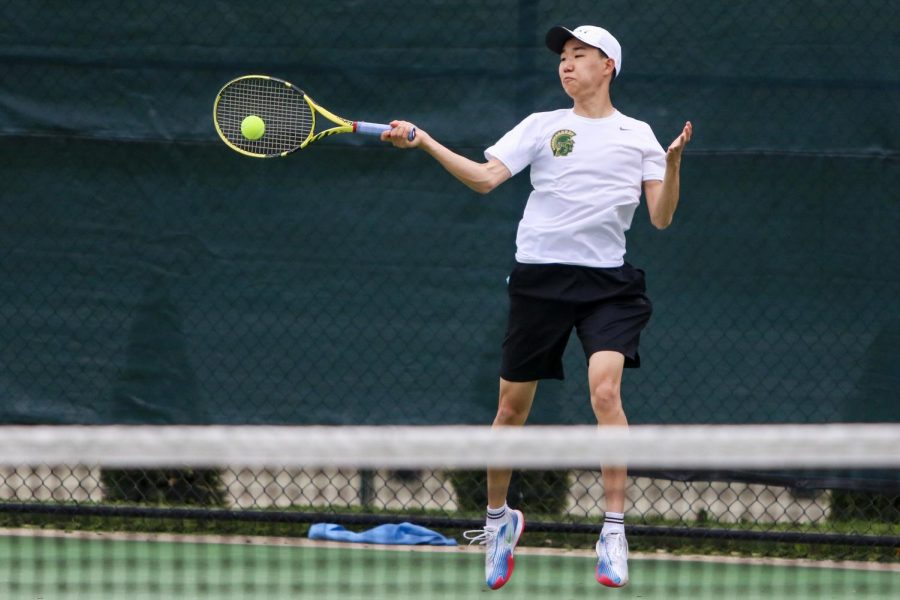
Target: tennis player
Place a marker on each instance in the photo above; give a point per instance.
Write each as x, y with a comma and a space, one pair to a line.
588, 165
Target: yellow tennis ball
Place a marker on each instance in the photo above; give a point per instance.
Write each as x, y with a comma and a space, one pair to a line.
253, 127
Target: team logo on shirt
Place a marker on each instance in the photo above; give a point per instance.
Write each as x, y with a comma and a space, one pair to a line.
563, 142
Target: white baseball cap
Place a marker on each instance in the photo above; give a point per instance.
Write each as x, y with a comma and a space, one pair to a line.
590, 35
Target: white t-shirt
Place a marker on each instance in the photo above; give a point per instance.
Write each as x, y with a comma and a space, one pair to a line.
587, 176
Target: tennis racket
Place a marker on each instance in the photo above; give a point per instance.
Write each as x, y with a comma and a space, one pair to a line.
287, 114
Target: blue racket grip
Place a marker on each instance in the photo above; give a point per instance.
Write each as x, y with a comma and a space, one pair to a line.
378, 129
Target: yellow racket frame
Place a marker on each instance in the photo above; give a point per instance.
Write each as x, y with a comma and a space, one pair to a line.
343, 125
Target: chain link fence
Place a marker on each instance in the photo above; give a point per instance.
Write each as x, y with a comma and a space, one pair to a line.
150, 275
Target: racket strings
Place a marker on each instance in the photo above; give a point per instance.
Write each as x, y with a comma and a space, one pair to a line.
288, 118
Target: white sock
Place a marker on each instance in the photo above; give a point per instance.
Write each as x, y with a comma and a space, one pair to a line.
613, 523
496, 516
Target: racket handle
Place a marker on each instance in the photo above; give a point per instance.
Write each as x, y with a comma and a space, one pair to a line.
378, 128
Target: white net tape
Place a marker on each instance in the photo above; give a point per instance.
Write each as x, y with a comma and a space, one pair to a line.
696, 447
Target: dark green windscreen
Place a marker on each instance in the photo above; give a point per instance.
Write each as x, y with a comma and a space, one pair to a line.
149, 274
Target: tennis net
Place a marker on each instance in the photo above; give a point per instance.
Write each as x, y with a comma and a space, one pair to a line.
231, 512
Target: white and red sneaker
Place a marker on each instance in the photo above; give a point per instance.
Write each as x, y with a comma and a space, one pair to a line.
612, 560
500, 543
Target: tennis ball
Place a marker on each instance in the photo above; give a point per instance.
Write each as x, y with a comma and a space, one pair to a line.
253, 127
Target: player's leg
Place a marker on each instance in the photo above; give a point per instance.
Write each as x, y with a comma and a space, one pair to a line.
516, 398
503, 526
537, 332
609, 327
605, 380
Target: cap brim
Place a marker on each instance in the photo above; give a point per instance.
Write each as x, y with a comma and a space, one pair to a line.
557, 38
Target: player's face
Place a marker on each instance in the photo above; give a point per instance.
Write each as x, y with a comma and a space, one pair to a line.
582, 68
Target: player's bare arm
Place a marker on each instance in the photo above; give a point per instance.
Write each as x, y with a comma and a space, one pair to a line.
662, 196
480, 177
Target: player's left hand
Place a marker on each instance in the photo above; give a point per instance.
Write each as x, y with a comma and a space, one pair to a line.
673, 154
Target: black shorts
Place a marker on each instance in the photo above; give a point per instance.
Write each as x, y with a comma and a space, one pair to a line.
608, 307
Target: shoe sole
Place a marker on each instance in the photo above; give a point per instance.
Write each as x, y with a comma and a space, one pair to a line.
604, 580
511, 560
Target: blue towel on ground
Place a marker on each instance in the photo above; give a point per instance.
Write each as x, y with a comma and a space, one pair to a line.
393, 533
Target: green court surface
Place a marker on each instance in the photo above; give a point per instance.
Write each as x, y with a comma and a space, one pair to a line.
96, 568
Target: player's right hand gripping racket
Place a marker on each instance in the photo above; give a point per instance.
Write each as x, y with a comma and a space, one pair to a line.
263, 117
